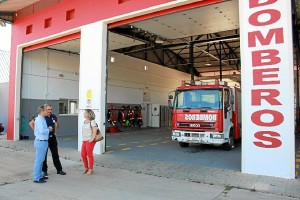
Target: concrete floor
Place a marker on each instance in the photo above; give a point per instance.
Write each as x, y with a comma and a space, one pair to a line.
156, 144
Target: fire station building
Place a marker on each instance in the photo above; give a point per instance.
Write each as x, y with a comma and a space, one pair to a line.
104, 54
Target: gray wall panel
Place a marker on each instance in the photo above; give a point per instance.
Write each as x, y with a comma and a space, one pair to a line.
68, 123
3, 104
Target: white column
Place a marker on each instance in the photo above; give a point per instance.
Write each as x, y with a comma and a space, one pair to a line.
92, 83
19, 57
268, 146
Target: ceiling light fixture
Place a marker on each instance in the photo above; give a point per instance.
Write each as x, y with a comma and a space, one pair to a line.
112, 59
207, 63
158, 40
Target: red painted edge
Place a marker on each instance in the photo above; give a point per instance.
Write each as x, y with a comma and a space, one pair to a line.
52, 42
164, 12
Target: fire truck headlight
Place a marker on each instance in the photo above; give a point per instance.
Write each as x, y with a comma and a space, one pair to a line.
176, 134
217, 136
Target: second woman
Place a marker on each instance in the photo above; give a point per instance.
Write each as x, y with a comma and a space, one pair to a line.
89, 130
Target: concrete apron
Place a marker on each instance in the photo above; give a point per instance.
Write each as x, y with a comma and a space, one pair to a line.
124, 178
105, 183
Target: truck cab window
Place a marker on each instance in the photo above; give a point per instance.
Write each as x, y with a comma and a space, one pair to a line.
198, 99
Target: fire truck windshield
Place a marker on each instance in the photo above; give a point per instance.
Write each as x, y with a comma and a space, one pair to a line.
198, 99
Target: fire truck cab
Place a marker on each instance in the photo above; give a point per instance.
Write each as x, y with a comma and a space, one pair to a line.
206, 113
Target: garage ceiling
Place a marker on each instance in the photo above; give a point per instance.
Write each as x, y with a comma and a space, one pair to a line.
209, 19
116, 41
206, 26
168, 38
9, 7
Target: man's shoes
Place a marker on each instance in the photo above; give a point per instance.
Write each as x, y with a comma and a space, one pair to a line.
40, 181
45, 175
61, 172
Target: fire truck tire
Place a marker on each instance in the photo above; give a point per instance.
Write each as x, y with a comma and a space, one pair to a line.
183, 144
230, 144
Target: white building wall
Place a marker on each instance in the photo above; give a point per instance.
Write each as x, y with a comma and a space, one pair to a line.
128, 81
127, 78
3, 103
269, 142
4, 78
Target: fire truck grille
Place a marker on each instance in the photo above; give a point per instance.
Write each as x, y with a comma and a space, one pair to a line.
197, 135
200, 125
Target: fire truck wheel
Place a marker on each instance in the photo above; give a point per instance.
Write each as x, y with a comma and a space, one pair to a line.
183, 144
230, 144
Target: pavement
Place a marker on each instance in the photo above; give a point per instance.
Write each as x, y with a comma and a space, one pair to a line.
118, 177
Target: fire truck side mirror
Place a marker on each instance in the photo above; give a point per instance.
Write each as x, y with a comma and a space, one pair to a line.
170, 97
170, 103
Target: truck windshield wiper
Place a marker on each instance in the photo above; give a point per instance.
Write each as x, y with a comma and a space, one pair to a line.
185, 108
205, 107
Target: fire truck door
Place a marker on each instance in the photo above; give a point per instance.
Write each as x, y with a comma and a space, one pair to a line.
227, 110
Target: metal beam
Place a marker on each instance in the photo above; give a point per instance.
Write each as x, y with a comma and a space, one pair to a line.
212, 40
192, 63
159, 59
220, 57
228, 46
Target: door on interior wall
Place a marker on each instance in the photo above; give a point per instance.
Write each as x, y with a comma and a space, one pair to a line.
155, 115
151, 115
145, 114
165, 116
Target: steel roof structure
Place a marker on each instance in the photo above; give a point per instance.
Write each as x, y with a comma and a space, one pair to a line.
203, 41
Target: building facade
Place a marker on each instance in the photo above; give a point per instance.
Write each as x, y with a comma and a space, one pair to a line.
266, 55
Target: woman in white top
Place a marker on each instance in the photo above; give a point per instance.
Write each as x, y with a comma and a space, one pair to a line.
89, 130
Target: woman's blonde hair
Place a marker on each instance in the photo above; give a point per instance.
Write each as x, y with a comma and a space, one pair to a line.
91, 114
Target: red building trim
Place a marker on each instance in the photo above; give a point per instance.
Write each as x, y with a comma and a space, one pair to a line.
52, 42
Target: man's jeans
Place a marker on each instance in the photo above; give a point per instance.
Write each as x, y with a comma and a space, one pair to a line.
40, 153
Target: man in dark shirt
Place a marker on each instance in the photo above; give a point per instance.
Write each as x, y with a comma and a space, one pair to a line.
52, 121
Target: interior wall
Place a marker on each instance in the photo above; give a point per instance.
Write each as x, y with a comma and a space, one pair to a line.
48, 76
129, 82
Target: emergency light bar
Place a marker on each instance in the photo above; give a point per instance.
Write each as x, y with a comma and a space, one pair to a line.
198, 82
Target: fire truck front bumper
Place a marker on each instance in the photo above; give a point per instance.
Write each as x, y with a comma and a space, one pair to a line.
212, 138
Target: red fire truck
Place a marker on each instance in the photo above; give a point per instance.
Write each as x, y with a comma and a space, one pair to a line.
206, 113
